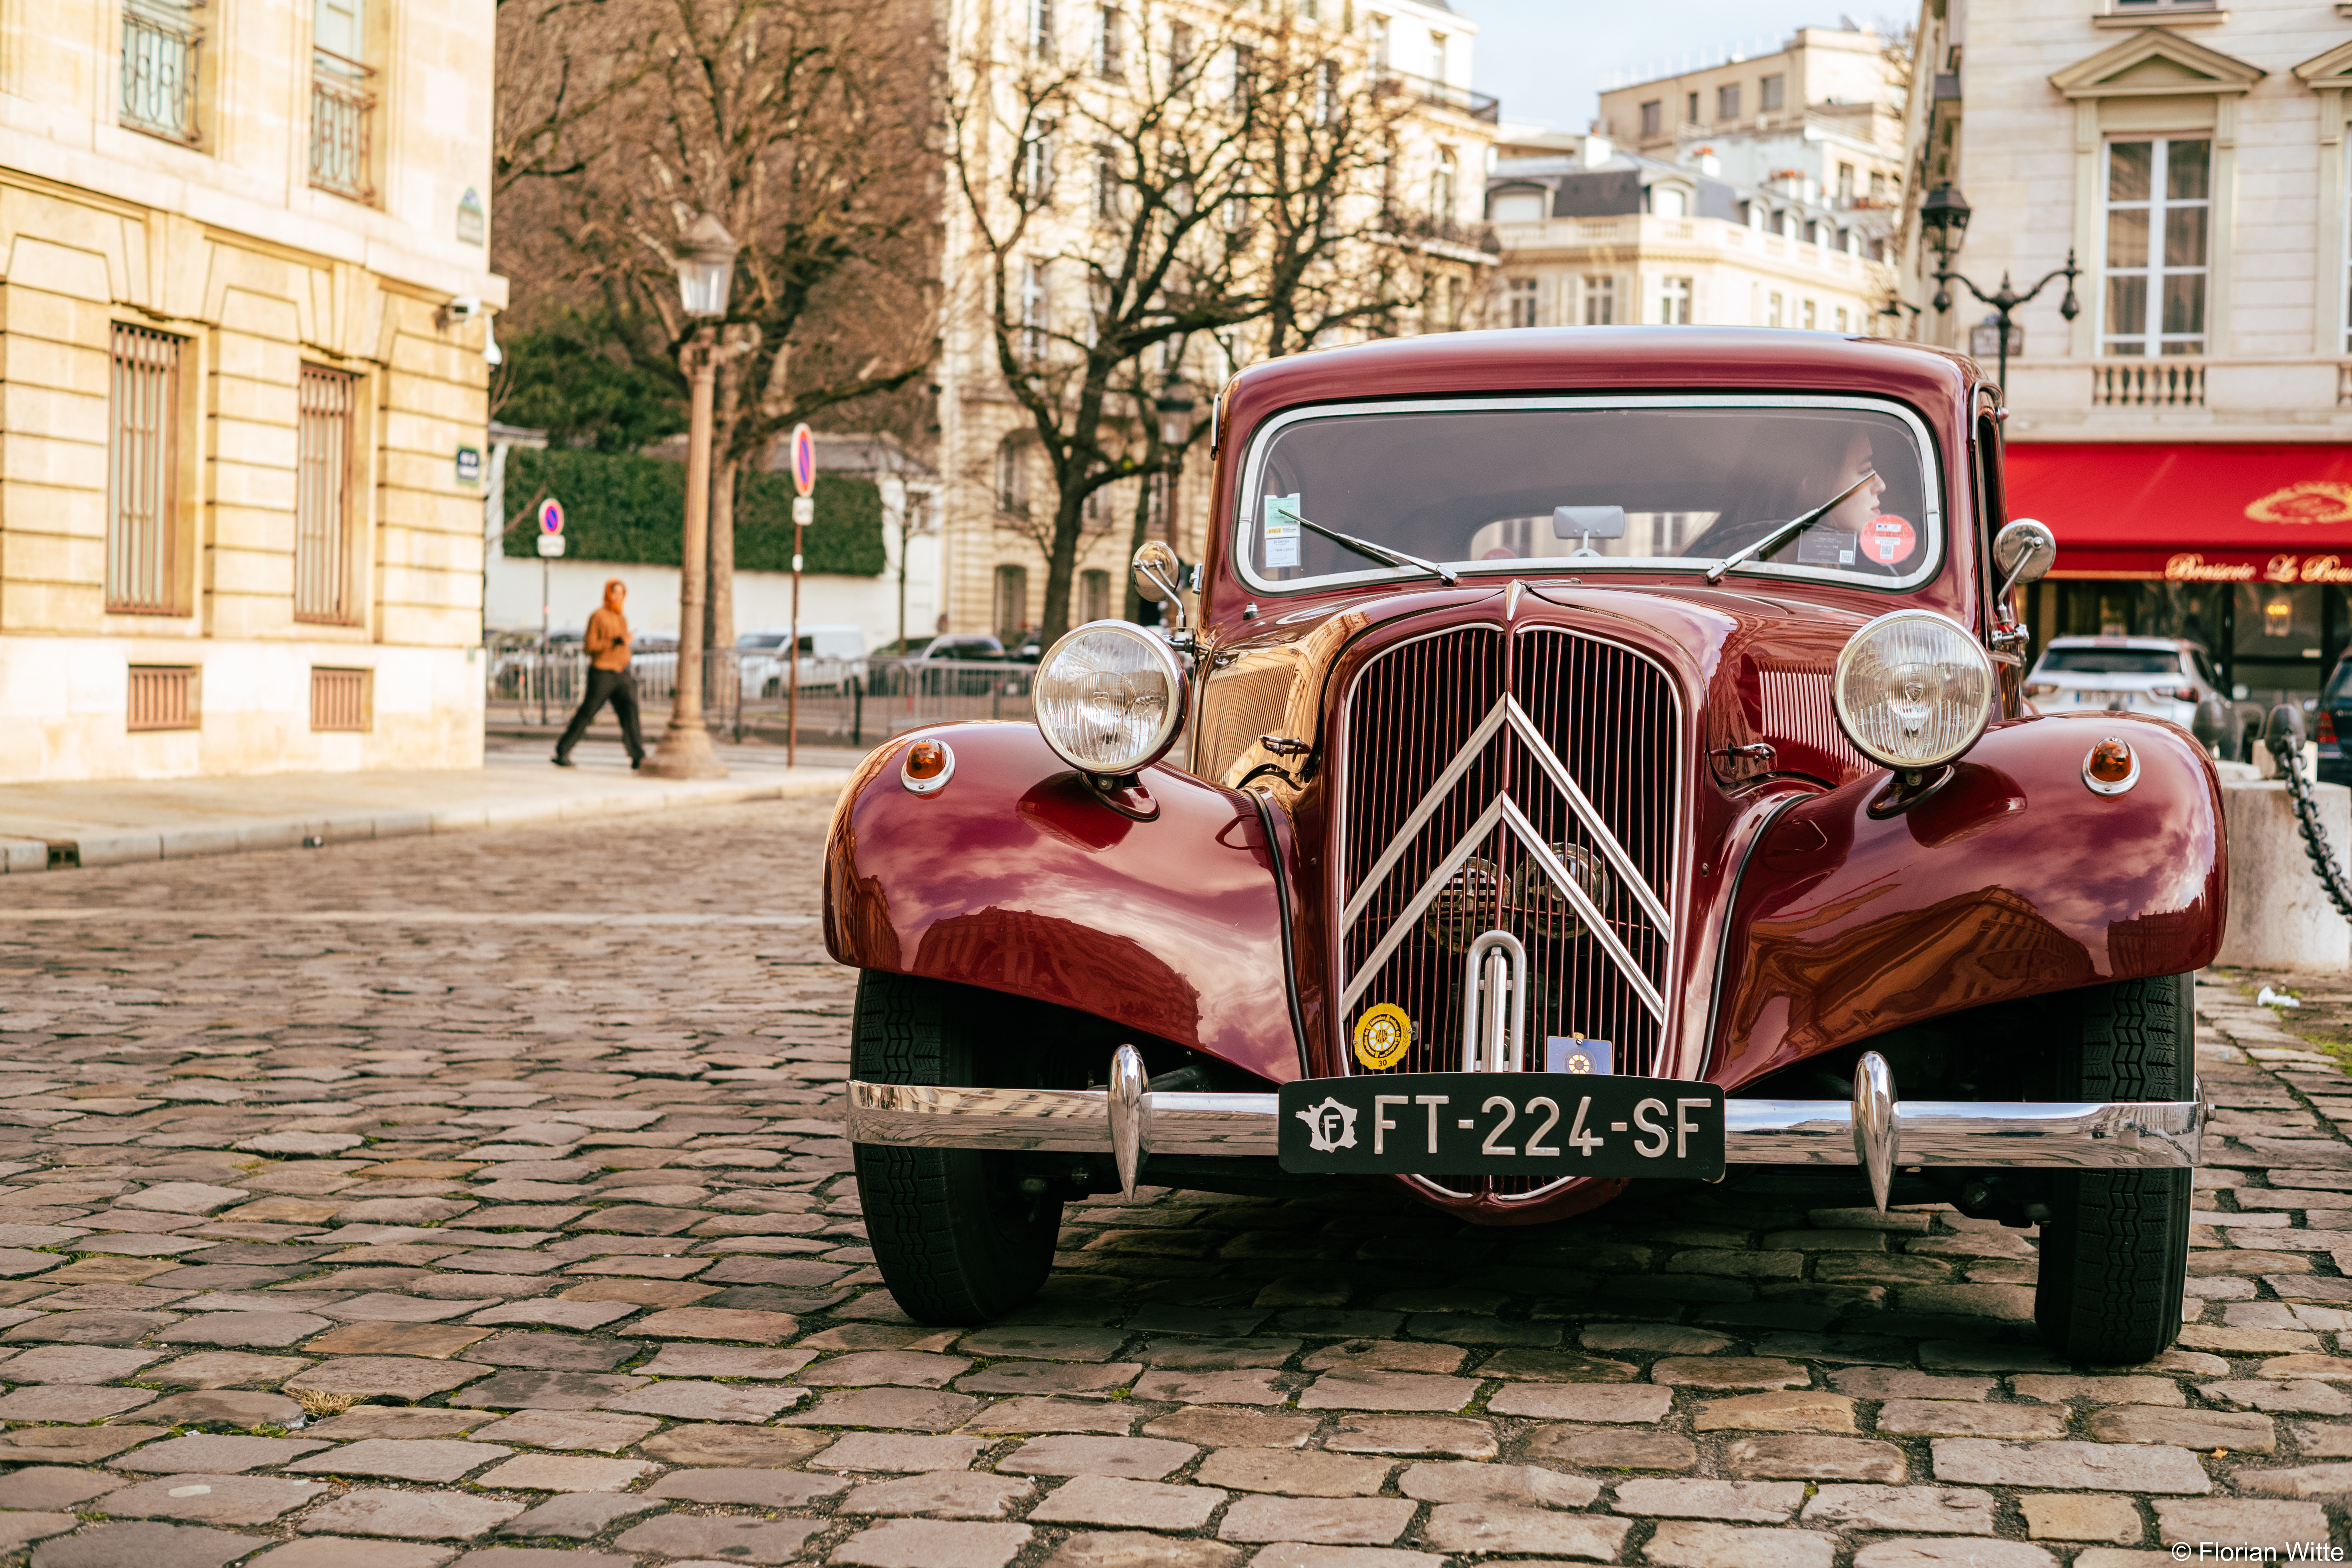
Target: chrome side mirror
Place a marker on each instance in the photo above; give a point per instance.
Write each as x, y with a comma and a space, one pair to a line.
1156, 572
2023, 551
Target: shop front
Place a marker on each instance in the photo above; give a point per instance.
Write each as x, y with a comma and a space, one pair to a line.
2243, 547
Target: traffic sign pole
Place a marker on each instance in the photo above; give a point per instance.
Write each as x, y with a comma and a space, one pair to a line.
803, 513
550, 545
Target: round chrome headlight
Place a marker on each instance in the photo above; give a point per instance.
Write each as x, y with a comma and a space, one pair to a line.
1913, 690
1109, 697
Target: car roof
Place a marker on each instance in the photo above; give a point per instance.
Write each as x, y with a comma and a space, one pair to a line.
2157, 644
1526, 360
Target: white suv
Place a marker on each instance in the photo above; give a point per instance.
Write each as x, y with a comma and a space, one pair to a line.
2167, 677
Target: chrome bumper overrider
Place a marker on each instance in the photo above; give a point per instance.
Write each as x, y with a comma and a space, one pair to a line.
1875, 1130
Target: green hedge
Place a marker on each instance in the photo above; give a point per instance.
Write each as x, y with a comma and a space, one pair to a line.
621, 508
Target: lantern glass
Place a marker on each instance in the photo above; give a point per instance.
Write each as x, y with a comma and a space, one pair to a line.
706, 267
704, 282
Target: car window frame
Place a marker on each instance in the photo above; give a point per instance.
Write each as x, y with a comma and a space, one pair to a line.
1252, 463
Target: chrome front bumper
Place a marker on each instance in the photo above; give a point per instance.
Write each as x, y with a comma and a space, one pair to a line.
1875, 1130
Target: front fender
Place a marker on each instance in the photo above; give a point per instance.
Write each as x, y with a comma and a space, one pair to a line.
1016, 878
2012, 880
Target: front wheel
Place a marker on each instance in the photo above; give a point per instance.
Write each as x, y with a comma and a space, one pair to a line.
959, 1235
2115, 1250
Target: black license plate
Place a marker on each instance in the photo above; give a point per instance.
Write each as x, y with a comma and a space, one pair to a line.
1502, 1124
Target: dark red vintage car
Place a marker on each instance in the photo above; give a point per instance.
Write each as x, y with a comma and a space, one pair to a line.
1598, 756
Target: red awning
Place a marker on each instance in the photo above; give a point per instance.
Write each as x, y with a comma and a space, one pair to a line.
2191, 512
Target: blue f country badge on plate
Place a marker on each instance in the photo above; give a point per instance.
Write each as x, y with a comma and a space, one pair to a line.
1564, 1053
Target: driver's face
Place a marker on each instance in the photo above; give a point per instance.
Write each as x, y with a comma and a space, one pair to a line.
1863, 505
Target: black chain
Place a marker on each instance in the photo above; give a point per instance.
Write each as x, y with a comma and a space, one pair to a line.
2314, 838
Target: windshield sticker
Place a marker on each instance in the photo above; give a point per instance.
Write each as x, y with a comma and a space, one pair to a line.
1281, 531
1891, 539
1825, 547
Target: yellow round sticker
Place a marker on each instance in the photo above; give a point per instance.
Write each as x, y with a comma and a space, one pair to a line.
1383, 1035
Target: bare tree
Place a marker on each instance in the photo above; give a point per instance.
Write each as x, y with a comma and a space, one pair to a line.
808, 128
1207, 184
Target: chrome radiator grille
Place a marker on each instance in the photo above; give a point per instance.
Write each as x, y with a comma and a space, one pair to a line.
1444, 750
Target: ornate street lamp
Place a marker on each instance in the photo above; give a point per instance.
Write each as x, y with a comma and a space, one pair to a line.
706, 273
1943, 219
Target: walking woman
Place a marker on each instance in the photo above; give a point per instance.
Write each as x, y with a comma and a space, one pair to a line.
608, 680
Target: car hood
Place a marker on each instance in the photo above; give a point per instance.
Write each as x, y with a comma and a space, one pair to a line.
1754, 668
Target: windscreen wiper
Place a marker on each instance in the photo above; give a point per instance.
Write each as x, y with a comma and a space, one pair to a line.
1782, 534
1382, 554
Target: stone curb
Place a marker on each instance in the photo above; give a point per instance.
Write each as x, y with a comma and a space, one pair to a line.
129, 845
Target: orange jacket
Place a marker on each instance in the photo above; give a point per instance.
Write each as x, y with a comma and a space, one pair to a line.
608, 639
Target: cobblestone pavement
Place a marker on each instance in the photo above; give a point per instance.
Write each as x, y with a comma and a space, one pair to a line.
396, 1203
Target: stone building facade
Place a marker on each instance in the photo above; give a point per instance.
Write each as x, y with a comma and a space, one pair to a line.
993, 573
243, 328
1593, 235
2189, 433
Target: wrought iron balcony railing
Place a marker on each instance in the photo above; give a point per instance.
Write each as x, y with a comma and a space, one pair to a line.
159, 74
342, 115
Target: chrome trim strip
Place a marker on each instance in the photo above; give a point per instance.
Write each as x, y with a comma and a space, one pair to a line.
1430, 800
1072, 1121
1370, 969
1556, 771
1594, 924
2131, 1135
1506, 711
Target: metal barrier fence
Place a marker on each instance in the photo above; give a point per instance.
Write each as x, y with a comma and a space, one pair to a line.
850, 702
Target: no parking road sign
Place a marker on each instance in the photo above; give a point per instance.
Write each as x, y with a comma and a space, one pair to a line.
551, 527
804, 477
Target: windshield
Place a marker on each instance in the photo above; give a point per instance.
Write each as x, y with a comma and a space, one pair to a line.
761, 640
1509, 485
2112, 661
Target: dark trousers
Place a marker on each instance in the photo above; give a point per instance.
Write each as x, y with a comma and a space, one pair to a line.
612, 686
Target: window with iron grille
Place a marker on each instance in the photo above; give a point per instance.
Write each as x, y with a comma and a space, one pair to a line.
142, 474
341, 700
322, 497
160, 40
163, 697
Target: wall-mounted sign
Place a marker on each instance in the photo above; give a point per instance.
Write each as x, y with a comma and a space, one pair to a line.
472, 223
469, 465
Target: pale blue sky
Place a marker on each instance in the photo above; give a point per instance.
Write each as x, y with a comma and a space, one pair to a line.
1546, 59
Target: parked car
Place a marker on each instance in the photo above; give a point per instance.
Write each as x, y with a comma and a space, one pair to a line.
2171, 677
828, 655
1601, 757
945, 667
2331, 724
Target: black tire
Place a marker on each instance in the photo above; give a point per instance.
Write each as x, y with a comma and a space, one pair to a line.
956, 1238
2115, 1250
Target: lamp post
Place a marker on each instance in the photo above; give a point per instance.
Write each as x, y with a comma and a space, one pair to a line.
706, 270
1943, 219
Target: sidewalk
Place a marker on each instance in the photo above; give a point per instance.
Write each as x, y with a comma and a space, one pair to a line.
51, 826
